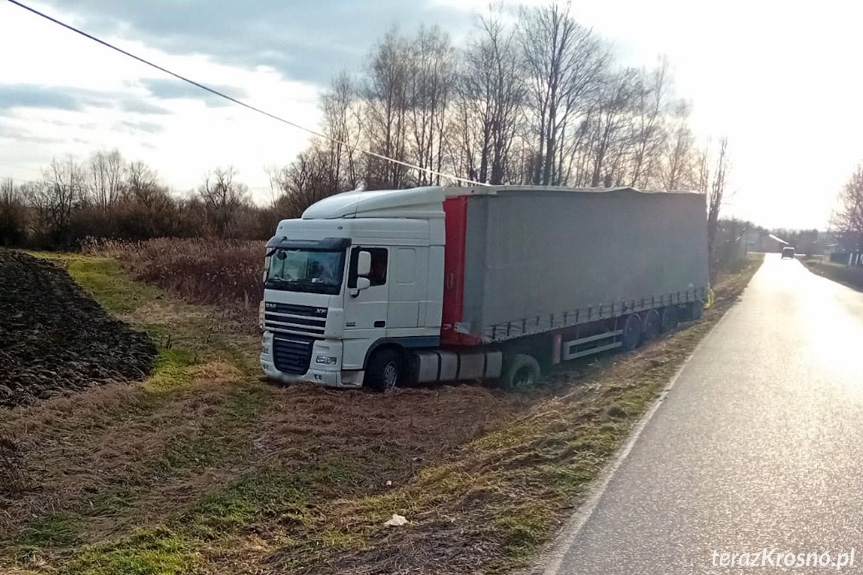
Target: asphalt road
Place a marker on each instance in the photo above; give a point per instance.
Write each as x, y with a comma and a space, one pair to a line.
758, 445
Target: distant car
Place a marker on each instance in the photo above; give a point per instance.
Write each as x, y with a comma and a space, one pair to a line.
787, 253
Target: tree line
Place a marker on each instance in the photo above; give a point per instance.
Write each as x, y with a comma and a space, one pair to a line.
532, 97
107, 196
538, 99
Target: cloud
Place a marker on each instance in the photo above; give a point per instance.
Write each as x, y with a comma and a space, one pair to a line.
136, 127
139, 106
38, 96
71, 99
17, 135
171, 89
307, 40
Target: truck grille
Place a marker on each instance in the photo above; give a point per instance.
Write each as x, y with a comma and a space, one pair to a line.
295, 319
292, 354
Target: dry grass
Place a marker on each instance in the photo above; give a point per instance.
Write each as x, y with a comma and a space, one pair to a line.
111, 441
846, 275
13, 477
224, 272
205, 469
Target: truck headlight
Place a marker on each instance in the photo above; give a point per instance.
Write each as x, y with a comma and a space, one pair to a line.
326, 360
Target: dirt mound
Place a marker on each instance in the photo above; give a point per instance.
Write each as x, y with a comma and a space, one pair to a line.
54, 337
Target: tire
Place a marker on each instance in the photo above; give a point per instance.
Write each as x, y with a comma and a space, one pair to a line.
670, 319
522, 372
696, 310
631, 337
652, 325
385, 370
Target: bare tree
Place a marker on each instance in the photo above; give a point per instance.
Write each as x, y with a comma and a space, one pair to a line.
304, 182
106, 178
679, 156
563, 62
848, 220
142, 184
386, 94
648, 134
430, 84
610, 118
61, 190
342, 124
223, 198
491, 95
714, 186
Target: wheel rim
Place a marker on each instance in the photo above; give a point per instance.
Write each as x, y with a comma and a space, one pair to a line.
391, 375
523, 377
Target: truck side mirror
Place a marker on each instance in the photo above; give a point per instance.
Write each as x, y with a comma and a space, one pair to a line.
364, 264
362, 283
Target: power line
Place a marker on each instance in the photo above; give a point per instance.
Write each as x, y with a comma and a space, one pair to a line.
20, 168
240, 102
15, 180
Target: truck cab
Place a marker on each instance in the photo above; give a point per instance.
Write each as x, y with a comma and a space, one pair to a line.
359, 274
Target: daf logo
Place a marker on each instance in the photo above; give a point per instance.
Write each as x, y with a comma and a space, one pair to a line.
271, 305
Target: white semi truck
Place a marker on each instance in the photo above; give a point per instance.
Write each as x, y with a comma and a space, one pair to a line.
446, 284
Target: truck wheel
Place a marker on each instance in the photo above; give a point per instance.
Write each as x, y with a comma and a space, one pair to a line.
652, 325
523, 372
384, 371
669, 319
631, 333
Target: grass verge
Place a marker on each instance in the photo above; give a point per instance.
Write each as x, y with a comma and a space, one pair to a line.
849, 276
206, 470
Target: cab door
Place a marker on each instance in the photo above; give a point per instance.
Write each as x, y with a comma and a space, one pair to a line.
365, 310
408, 290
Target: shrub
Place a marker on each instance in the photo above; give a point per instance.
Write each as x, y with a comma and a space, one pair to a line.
227, 272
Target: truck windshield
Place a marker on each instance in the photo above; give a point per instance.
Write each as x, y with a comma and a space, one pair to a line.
305, 270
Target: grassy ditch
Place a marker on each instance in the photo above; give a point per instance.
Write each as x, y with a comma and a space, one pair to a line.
205, 469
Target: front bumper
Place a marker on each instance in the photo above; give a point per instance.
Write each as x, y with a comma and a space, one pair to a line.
319, 374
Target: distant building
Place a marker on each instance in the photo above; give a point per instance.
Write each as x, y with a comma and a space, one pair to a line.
762, 241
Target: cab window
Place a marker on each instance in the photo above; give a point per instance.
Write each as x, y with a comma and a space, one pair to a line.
378, 274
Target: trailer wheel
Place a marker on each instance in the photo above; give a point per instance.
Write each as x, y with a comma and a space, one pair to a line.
631, 333
385, 370
523, 372
652, 325
669, 319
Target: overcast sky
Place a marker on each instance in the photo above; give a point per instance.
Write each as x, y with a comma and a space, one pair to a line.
780, 78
